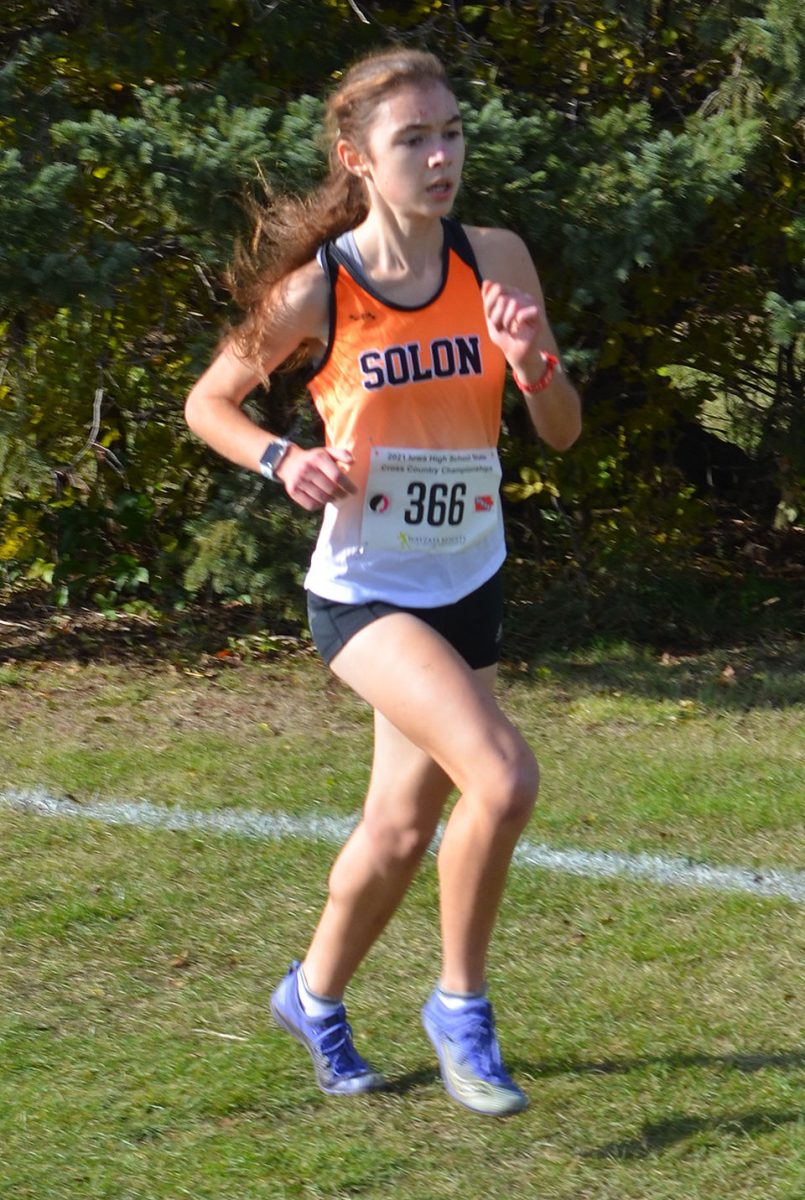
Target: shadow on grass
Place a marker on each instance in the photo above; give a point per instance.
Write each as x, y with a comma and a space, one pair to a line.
412, 1081
784, 1060
657, 1136
766, 675
710, 595
748, 1064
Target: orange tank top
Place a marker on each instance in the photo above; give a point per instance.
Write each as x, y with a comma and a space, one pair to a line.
415, 393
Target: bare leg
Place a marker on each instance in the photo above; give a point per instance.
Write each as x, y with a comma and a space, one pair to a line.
431, 700
369, 878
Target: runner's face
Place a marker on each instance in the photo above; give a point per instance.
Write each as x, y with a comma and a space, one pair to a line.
415, 151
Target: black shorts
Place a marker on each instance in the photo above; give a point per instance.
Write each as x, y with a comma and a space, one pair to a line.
473, 626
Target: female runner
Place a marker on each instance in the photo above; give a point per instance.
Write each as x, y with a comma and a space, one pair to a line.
407, 320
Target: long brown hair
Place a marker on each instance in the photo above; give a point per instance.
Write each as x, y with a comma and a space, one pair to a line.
288, 230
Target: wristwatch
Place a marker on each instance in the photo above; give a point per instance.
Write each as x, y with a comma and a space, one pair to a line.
274, 454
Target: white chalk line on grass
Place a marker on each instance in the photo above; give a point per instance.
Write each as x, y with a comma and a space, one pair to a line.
263, 826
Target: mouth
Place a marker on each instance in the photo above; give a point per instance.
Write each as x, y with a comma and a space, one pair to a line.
442, 189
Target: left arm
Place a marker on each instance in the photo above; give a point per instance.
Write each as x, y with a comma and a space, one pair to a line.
515, 317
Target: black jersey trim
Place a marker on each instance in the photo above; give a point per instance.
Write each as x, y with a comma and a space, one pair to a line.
454, 238
330, 266
333, 259
360, 278
456, 235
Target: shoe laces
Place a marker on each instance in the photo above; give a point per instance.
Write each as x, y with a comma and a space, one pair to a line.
475, 1036
335, 1043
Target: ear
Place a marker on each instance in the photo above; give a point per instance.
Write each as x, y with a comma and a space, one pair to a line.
351, 158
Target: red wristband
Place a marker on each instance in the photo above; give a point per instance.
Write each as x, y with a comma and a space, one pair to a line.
551, 365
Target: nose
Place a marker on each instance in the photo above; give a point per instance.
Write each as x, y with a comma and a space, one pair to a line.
439, 154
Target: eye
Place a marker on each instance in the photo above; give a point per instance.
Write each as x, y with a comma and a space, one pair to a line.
413, 140
452, 134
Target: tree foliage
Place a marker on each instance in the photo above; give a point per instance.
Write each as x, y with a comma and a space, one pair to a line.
649, 153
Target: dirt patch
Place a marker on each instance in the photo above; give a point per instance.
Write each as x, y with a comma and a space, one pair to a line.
156, 701
33, 631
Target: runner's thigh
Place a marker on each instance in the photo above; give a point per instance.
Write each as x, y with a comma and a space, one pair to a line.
407, 787
424, 688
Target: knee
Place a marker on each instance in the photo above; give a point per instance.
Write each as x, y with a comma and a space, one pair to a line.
394, 844
511, 791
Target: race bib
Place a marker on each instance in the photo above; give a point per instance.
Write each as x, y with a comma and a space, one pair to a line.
437, 501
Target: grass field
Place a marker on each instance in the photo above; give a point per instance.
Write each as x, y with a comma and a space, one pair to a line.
659, 1031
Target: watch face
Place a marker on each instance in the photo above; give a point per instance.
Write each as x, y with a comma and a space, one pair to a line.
274, 455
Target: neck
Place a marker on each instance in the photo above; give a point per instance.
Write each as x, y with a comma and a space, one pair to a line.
392, 247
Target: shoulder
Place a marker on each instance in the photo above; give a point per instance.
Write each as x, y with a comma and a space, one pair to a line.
486, 239
296, 311
502, 255
305, 294
293, 313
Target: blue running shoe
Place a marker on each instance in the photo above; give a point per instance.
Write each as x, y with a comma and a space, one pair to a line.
469, 1057
340, 1070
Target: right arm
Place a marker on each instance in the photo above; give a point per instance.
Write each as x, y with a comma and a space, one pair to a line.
213, 408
